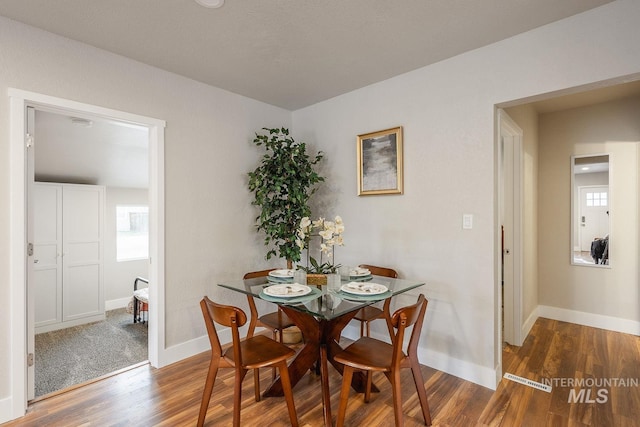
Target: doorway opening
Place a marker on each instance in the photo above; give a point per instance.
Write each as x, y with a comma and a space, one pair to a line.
84, 170
548, 258
21, 265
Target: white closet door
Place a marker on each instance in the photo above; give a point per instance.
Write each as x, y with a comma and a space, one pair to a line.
83, 234
47, 251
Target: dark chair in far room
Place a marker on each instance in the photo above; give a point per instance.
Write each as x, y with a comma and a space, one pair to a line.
140, 300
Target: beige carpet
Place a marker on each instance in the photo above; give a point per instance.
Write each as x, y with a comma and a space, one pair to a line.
74, 355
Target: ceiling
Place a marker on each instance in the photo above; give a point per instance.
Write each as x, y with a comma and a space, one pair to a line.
101, 152
291, 53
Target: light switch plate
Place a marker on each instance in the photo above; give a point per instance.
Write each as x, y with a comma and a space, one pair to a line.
467, 221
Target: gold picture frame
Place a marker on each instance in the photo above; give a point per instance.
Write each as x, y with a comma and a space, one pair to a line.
380, 168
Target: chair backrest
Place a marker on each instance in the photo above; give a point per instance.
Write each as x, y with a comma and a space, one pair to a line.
402, 319
252, 304
254, 274
381, 271
225, 315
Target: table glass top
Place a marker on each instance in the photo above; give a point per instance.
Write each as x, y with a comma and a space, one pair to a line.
320, 301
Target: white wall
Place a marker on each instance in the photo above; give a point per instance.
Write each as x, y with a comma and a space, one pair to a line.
614, 128
119, 276
447, 111
209, 234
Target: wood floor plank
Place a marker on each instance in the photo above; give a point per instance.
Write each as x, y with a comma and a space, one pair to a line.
170, 396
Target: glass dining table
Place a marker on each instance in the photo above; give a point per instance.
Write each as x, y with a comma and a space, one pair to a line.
321, 314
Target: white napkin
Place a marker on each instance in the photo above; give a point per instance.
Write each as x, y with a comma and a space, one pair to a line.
366, 287
294, 288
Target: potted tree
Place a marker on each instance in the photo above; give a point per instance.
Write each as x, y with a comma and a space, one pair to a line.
282, 184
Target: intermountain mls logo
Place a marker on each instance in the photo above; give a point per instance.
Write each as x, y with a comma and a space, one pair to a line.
590, 390
582, 390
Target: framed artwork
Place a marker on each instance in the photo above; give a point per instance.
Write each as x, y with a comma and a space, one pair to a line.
380, 162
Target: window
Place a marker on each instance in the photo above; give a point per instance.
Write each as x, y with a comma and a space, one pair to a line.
596, 199
132, 233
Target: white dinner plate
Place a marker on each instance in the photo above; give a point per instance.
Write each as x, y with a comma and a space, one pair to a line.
281, 273
287, 290
359, 298
315, 293
359, 272
363, 288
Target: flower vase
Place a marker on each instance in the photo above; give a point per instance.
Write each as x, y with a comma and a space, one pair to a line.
316, 279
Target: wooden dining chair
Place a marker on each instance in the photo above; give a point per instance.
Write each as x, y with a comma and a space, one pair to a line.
276, 322
371, 355
370, 313
251, 353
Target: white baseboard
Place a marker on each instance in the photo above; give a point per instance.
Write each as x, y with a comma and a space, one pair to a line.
528, 324
481, 375
184, 350
6, 410
195, 346
486, 377
116, 303
590, 319
69, 323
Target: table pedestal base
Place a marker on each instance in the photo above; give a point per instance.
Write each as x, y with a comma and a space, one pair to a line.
321, 339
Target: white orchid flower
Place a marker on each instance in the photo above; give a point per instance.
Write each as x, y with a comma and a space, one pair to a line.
326, 234
305, 223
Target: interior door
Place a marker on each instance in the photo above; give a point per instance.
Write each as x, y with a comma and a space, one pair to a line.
510, 180
507, 241
47, 260
594, 215
82, 220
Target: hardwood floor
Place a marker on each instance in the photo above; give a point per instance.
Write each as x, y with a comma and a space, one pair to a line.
170, 396
563, 353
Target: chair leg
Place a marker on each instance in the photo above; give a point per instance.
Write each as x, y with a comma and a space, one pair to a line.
367, 391
422, 395
288, 394
256, 383
237, 395
273, 333
362, 328
347, 375
208, 389
397, 397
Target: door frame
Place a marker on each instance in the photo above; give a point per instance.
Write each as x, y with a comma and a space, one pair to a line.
509, 132
19, 100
